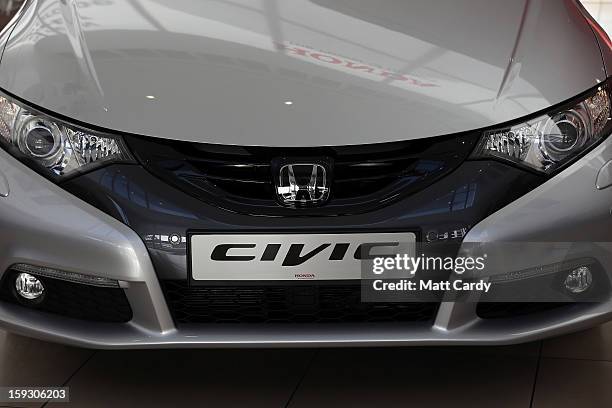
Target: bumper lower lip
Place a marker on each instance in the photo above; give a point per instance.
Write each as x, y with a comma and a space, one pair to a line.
134, 336
42, 224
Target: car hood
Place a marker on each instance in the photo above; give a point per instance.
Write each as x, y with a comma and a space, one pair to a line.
299, 72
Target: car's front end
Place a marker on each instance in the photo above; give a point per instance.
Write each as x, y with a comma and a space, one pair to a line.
182, 176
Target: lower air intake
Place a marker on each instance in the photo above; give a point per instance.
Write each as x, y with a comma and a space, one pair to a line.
501, 310
282, 304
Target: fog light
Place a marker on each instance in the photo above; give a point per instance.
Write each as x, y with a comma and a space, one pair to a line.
28, 286
579, 280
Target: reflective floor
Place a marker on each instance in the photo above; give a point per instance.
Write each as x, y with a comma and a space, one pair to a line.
571, 371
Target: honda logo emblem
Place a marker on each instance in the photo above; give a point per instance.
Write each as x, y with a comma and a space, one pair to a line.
303, 184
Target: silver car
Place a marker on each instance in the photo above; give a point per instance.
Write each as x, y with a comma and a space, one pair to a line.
181, 173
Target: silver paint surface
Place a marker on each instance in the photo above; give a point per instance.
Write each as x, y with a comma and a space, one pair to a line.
299, 72
604, 178
4, 186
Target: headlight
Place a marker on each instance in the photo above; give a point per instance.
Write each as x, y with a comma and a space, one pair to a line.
54, 147
550, 141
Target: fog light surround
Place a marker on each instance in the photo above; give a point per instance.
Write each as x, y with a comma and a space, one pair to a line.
66, 276
28, 286
579, 280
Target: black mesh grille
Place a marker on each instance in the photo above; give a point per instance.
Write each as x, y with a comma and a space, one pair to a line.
73, 300
363, 177
500, 310
282, 304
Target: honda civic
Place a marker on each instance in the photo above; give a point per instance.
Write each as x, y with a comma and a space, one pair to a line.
177, 173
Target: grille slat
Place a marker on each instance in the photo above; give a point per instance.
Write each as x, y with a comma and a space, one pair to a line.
214, 178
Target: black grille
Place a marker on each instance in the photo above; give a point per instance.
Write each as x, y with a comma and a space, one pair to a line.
73, 300
285, 304
500, 310
241, 178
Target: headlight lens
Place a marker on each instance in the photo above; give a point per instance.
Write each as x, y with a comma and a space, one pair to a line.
56, 148
548, 142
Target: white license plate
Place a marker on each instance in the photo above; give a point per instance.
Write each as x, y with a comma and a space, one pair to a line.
252, 257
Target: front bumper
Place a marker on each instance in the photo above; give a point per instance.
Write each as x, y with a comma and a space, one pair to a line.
41, 224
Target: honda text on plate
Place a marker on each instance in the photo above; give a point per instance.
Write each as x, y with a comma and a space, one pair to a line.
179, 173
